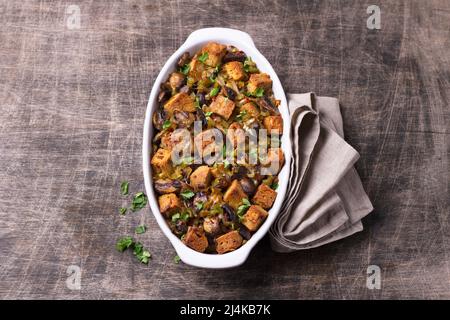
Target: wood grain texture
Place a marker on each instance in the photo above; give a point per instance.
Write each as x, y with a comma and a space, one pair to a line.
72, 104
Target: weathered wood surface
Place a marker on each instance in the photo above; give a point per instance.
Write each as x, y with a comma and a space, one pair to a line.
71, 116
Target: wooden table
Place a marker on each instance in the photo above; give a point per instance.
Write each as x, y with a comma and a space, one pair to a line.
72, 103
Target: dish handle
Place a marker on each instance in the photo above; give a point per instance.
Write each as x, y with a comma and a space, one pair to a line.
214, 33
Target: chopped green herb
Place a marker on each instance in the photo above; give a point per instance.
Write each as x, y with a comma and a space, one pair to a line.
259, 92
180, 216
139, 201
226, 163
140, 229
241, 114
208, 114
187, 194
166, 124
185, 69
176, 259
175, 217
123, 211
250, 66
199, 205
124, 188
124, 243
214, 92
141, 254
203, 57
243, 208
274, 186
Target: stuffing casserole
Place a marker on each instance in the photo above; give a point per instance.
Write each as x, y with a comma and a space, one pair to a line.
215, 207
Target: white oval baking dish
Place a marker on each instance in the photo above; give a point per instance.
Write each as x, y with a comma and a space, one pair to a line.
193, 43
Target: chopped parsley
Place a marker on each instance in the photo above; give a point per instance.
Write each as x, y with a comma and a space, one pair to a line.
199, 205
187, 194
274, 186
180, 216
208, 114
166, 124
124, 188
140, 229
241, 114
124, 243
176, 259
203, 57
185, 69
214, 92
243, 208
259, 92
122, 211
141, 254
139, 201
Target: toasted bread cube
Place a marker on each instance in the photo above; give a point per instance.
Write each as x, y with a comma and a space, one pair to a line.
195, 238
215, 52
222, 106
180, 102
196, 69
254, 217
274, 161
169, 203
161, 160
234, 195
176, 80
274, 123
264, 196
236, 134
234, 70
205, 142
259, 80
251, 109
228, 242
200, 178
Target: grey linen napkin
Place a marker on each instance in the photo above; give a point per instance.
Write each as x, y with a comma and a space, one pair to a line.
325, 200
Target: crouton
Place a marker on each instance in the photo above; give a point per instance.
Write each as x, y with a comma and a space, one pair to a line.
169, 203
273, 123
215, 52
222, 106
176, 80
264, 196
228, 242
254, 217
236, 134
196, 69
181, 102
211, 225
205, 142
234, 195
259, 80
161, 160
234, 70
273, 162
200, 178
250, 109
195, 238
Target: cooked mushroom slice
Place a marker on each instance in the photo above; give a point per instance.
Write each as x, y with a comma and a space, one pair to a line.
230, 93
244, 232
159, 116
228, 214
211, 225
181, 227
184, 59
248, 186
163, 96
176, 80
185, 89
164, 186
234, 56
183, 118
266, 103
199, 199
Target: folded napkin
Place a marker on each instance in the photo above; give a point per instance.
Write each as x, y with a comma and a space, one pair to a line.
325, 200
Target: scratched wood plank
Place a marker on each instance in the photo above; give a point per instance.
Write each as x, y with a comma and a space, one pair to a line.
71, 115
